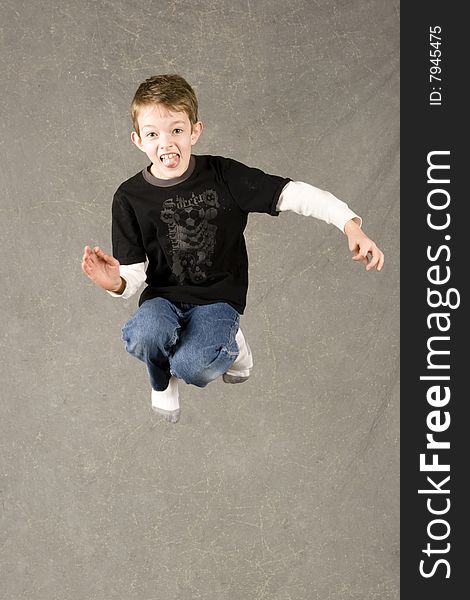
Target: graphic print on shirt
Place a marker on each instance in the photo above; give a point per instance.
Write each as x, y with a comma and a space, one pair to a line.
192, 236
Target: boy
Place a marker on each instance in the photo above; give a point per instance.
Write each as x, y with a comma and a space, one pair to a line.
178, 225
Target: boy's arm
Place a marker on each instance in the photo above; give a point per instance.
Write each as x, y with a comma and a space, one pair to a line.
305, 199
132, 276
128, 246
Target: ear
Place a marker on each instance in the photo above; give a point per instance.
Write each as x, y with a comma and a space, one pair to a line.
196, 132
137, 141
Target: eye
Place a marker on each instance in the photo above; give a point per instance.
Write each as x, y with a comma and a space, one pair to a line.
177, 130
151, 133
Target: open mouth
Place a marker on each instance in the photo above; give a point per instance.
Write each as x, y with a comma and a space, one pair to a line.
171, 159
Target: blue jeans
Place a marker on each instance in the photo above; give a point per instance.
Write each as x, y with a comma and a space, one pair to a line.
194, 343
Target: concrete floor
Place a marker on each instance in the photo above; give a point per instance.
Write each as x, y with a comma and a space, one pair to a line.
285, 488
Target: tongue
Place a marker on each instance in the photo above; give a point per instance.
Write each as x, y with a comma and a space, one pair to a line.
171, 162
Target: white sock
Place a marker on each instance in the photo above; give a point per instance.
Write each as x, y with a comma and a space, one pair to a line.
244, 360
167, 399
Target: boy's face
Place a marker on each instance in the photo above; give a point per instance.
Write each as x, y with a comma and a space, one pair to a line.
166, 138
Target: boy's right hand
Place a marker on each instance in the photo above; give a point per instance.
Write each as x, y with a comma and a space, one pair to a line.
102, 269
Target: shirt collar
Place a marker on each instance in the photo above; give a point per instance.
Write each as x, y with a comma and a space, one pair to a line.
169, 182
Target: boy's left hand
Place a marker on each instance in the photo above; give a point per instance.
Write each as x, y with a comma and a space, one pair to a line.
365, 250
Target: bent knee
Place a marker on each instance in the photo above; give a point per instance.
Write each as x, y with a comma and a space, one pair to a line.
202, 366
140, 337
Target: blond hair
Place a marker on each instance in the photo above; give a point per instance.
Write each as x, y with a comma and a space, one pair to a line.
171, 91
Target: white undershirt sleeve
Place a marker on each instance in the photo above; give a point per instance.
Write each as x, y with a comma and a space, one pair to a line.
134, 275
305, 199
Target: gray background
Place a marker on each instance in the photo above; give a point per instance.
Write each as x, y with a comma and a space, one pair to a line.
285, 488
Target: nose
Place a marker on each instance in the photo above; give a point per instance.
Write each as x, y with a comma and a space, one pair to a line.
165, 141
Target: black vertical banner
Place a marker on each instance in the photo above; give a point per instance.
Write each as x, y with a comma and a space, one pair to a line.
435, 266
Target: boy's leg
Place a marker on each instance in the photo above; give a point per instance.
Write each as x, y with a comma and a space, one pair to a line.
240, 370
207, 346
150, 335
